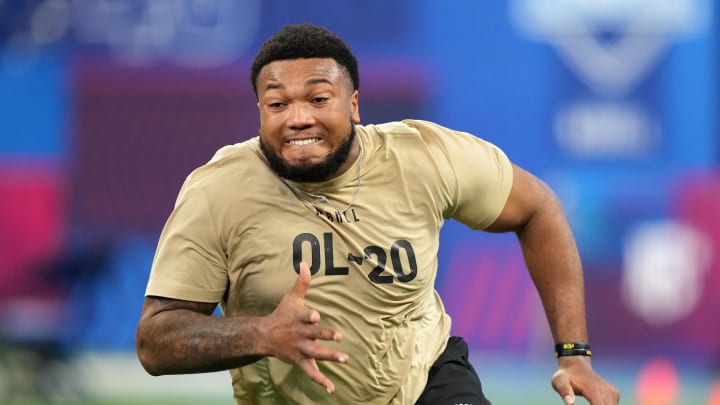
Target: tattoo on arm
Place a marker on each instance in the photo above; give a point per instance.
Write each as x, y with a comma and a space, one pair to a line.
177, 336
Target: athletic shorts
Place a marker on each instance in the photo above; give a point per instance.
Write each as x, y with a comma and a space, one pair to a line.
452, 379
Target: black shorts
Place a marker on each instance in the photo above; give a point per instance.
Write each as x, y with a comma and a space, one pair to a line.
452, 379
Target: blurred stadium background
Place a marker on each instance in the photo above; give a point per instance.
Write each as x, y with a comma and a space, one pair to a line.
106, 105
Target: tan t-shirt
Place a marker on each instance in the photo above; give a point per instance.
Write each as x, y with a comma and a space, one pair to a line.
238, 233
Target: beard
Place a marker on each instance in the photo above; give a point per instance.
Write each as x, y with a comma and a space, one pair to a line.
322, 171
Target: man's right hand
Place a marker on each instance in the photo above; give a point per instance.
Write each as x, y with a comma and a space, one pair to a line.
291, 331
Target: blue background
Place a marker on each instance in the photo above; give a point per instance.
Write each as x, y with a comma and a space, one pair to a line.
96, 138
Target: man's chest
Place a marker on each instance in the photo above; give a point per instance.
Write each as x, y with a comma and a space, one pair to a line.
369, 251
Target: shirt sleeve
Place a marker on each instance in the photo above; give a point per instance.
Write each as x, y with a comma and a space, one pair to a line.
190, 262
480, 175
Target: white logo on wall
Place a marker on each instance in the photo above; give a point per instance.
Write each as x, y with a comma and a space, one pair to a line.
664, 266
195, 33
610, 124
191, 33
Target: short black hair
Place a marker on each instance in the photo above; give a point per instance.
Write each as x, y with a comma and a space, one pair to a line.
305, 41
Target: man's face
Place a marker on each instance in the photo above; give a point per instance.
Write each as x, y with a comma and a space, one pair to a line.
307, 111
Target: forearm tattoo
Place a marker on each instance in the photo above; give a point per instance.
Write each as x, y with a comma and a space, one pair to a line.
183, 337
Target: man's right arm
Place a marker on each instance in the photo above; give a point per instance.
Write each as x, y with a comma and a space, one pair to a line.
179, 337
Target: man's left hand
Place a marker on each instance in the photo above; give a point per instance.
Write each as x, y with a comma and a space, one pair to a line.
575, 376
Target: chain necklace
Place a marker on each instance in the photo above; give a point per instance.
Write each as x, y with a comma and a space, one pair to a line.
324, 199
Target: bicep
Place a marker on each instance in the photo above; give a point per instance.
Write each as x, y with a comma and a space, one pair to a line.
528, 196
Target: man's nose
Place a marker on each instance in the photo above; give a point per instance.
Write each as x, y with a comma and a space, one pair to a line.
300, 116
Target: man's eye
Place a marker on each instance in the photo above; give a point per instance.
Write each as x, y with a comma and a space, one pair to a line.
276, 105
318, 100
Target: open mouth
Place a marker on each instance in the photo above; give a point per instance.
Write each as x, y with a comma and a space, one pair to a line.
303, 142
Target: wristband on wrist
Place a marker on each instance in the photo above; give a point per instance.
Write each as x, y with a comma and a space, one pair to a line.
572, 349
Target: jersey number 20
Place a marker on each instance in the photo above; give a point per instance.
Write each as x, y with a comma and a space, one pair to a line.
398, 249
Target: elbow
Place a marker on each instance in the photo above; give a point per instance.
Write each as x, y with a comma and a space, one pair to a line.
147, 356
149, 364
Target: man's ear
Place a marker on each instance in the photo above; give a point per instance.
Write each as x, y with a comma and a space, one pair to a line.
355, 107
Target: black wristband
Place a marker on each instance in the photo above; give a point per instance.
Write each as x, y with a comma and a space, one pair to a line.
572, 349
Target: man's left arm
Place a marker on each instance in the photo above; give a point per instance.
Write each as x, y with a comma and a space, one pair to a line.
534, 213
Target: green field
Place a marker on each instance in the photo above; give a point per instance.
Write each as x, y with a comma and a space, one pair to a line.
118, 379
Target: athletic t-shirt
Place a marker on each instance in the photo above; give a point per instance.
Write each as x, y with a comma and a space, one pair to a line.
238, 233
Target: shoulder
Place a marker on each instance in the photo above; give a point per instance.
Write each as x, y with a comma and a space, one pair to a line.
418, 129
404, 128
230, 160
394, 128
239, 153
423, 134
231, 167
402, 133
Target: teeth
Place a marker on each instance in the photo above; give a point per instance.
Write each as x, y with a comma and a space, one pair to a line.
302, 142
